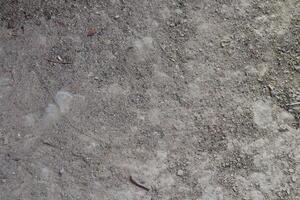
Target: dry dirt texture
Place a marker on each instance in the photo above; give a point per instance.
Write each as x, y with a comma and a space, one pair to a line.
192, 99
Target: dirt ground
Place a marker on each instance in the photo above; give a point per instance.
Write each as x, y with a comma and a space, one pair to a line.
149, 100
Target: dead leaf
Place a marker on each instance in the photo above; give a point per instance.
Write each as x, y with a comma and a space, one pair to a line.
91, 32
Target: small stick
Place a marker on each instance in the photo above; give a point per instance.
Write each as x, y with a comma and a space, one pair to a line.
48, 144
59, 62
294, 104
12, 75
138, 184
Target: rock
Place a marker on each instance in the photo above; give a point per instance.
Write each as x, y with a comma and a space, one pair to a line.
297, 68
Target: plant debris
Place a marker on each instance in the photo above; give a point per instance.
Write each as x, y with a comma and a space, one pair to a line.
91, 32
58, 62
133, 181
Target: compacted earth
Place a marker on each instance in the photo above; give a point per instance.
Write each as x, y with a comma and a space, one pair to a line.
149, 99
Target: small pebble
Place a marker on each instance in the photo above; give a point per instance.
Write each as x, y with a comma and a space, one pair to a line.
61, 171
180, 172
291, 170
59, 58
288, 191
171, 24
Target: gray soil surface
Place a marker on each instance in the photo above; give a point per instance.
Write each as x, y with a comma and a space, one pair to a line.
149, 100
